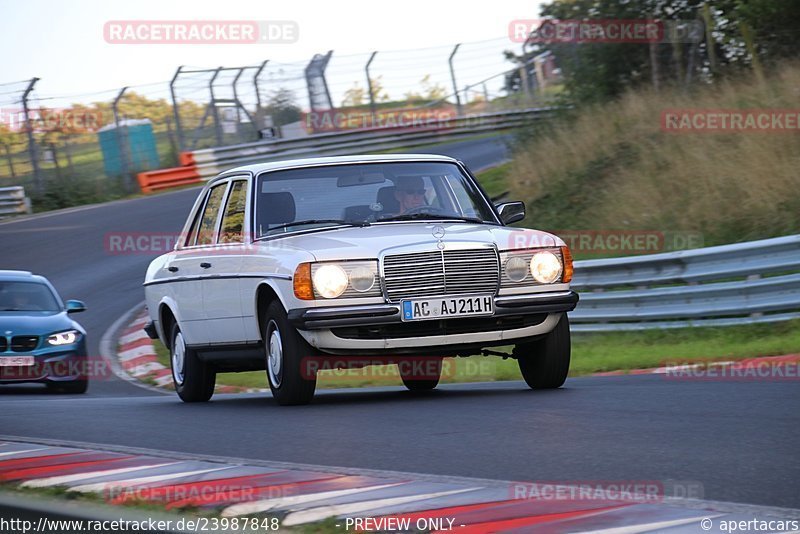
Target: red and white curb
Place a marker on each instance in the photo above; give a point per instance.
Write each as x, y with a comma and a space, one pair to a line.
137, 357
306, 494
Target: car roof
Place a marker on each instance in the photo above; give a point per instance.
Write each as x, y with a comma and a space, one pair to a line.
20, 276
333, 160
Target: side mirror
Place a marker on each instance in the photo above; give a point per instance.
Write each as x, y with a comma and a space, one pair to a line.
511, 212
75, 306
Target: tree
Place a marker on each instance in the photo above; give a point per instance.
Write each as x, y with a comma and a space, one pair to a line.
354, 96
742, 31
281, 105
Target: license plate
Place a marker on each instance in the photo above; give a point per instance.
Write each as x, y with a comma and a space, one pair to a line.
16, 361
446, 307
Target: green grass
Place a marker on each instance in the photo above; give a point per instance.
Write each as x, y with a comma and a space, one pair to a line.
591, 353
495, 180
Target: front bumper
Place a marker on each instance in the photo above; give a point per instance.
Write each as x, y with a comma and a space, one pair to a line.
377, 314
379, 328
63, 365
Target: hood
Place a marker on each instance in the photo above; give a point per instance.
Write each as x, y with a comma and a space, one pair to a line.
371, 241
35, 323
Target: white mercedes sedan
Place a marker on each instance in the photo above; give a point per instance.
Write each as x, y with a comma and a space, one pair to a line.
296, 266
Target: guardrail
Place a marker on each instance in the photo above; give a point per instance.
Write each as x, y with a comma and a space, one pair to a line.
167, 178
13, 201
210, 162
753, 282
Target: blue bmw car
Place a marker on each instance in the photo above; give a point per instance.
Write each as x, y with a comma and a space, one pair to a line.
39, 341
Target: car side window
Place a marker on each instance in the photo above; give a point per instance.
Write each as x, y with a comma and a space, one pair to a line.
191, 237
233, 217
205, 231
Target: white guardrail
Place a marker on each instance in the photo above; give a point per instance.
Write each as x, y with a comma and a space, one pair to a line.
13, 201
210, 162
753, 282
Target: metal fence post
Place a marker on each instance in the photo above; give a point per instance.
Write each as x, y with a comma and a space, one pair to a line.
372, 111
215, 115
175, 110
32, 149
122, 142
453, 78
10, 160
319, 96
240, 107
259, 112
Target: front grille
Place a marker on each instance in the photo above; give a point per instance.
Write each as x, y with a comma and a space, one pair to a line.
446, 272
439, 327
24, 343
3, 344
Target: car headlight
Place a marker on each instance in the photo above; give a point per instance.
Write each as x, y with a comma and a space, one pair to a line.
362, 279
330, 281
516, 269
545, 267
64, 338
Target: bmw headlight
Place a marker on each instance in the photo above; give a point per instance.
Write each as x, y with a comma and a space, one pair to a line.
330, 281
545, 267
64, 338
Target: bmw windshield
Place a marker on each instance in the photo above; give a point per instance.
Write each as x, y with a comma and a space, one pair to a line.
362, 194
27, 297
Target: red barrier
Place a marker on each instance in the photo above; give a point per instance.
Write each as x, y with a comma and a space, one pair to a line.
151, 181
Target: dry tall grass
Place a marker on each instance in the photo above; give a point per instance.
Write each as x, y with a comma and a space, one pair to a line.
614, 168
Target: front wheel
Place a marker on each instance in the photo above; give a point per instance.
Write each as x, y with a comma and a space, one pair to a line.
291, 375
421, 375
75, 387
544, 363
194, 379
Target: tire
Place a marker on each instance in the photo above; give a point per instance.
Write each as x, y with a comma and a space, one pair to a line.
75, 387
285, 350
194, 380
545, 363
412, 381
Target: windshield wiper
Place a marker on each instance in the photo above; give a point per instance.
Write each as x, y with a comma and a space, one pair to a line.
418, 216
319, 221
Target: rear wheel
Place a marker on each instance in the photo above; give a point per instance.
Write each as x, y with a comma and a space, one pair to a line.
194, 380
421, 375
545, 363
286, 350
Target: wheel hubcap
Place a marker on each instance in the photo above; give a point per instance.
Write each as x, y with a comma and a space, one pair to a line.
274, 355
178, 358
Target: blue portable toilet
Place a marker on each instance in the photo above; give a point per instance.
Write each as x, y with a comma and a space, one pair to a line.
137, 135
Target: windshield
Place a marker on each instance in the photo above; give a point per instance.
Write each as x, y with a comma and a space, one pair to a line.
299, 199
27, 296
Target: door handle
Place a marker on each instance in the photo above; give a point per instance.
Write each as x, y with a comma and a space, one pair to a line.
172, 269
205, 265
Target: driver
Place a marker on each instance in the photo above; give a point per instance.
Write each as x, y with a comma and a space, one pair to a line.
409, 192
